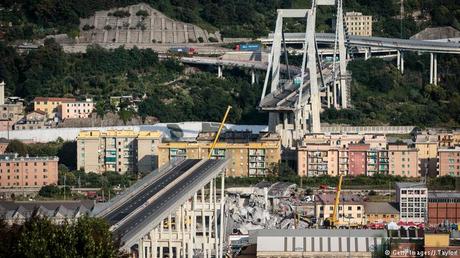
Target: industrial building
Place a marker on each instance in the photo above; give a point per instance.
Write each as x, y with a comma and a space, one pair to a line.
443, 207
317, 242
358, 24
249, 154
121, 151
25, 172
56, 211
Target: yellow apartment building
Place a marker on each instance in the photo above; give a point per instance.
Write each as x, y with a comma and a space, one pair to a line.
358, 24
427, 151
403, 160
249, 154
49, 105
121, 151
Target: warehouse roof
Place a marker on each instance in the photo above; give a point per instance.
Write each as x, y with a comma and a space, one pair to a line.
317, 233
380, 208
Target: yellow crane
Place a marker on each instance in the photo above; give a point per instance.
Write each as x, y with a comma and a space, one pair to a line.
218, 131
333, 221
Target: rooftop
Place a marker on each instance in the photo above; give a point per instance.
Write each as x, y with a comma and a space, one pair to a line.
410, 185
345, 198
381, 208
443, 195
53, 99
15, 157
118, 133
317, 233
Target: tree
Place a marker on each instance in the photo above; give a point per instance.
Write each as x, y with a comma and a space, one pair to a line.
39, 237
50, 191
16, 146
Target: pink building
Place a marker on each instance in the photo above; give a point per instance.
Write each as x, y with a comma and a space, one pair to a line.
27, 171
76, 109
357, 159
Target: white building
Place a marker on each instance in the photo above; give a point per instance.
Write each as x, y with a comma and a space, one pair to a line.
412, 198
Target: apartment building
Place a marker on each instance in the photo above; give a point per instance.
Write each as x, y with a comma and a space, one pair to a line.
350, 209
249, 154
76, 109
412, 198
427, 151
358, 24
50, 105
357, 161
335, 154
121, 151
403, 160
448, 138
449, 161
18, 171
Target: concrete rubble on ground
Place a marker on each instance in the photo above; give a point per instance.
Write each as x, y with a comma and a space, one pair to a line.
269, 206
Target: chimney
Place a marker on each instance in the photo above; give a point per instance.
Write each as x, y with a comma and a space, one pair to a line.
2, 93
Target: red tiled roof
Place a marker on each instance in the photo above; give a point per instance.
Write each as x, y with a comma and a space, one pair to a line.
53, 99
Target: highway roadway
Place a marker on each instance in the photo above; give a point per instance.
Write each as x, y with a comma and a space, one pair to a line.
390, 43
141, 197
152, 212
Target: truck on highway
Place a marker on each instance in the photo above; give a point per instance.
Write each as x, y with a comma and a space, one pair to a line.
248, 47
182, 51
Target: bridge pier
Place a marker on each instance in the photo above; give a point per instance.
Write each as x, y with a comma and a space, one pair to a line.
433, 69
219, 71
367, 53
400, 61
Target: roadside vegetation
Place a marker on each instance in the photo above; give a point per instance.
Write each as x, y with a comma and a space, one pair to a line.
39, 237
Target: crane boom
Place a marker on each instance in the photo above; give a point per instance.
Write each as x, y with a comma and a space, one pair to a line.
334, 218
218, 131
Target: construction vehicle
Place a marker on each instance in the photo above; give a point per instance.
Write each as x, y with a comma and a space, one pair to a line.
218, 132
333, 221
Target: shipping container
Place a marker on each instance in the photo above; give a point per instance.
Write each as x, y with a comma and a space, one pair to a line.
247, 47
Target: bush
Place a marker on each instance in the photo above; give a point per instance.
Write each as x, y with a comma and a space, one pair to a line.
49, 191
212, 39
86, 27
142, 13
200, 39
107, 27
121, 13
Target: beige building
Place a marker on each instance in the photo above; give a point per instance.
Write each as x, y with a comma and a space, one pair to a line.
249, 154
403, 160
427, 150
120, 151
381, 212
50, 105
350, 209
449, 161
76, 109
358, 24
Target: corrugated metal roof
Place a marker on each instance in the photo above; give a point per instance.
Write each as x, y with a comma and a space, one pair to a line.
317, 233
380, 208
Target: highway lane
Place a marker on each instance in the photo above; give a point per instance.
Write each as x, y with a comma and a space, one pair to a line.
141, 197
169, 198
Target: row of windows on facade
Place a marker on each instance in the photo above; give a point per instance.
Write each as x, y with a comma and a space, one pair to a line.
81, 111
26, 177
357, 18
412, 215
331, 208
412, 191
25, 163
78, 104
25, 170
17, 184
